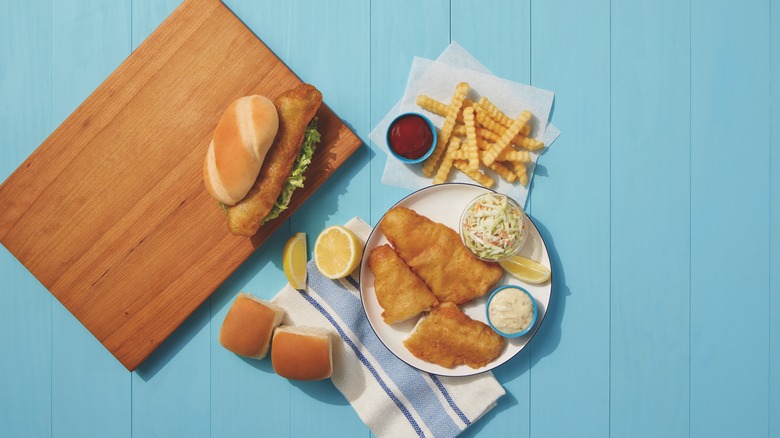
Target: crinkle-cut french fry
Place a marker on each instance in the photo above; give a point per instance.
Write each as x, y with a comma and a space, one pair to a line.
446, 130
486, 121
471, 138
430, 104
522, 172
462, 155
509, 154
494, 112
513, 155
483, 144
459, 130
500, 168
503, 172
509, 134
446, 163
482, 133
498, 129
488, 135
486, 138
479, 177
529, 143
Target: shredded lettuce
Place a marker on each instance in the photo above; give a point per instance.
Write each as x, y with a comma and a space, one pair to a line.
310, 140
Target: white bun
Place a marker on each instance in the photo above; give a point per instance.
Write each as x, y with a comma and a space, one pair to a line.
248, 326
242, 138
302, 353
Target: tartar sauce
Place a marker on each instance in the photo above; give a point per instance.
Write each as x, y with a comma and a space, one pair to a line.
511, 311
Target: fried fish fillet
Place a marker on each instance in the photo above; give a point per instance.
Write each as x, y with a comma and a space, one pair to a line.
435, 253
448, 337
399, 291
296, 108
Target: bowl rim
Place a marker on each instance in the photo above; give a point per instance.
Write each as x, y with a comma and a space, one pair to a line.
533, 318
430, 149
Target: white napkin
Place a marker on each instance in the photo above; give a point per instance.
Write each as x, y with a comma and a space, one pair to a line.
438, 79
392, 398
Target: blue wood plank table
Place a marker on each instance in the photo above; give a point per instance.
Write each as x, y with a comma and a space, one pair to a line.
660, 203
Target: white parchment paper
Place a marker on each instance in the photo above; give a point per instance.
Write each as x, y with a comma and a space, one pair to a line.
438, 80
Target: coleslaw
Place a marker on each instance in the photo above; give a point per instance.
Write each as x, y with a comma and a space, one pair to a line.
493, 227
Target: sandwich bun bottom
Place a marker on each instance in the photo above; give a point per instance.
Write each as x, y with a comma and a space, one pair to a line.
302, 353
248, 326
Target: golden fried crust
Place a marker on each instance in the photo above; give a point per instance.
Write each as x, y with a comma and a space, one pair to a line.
296, 108
435, 253
448, 337
399, 291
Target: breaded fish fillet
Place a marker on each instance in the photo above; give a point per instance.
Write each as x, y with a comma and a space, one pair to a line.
296, 108
399, 291
435, 253
448, 337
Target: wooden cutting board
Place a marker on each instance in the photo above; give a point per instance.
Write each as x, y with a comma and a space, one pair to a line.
110, 212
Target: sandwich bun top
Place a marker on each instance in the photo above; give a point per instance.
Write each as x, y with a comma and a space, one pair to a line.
242, 138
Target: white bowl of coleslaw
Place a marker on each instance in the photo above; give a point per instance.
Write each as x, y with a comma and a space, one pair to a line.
493, 227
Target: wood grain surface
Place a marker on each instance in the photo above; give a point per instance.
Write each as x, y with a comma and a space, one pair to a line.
110, 213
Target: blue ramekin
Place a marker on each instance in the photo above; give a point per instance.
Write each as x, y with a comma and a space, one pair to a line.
430, 149
533, 318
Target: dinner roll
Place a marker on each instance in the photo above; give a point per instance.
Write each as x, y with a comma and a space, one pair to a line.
248, 326
302, 353
243, 136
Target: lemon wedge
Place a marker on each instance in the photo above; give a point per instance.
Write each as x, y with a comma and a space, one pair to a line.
294, 261
337, 252
525, 269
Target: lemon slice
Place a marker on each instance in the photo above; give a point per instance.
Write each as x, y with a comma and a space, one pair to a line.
294, 261
337, 252
526, 270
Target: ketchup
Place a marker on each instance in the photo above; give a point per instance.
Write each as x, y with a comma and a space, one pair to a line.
410, 136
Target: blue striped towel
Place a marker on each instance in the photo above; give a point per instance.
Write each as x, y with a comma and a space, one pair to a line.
392, 398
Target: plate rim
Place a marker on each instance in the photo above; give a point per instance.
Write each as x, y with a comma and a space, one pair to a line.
364, 263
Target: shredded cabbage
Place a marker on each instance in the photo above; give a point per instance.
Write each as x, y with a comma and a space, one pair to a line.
310, 140
492, 227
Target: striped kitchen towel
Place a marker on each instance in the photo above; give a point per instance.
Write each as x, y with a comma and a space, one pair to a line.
391, 397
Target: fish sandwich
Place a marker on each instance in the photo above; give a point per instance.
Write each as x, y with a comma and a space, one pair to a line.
259, 154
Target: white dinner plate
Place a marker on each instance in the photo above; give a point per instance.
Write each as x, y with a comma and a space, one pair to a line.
444, 203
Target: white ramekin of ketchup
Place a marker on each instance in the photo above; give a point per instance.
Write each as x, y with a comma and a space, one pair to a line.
411, 137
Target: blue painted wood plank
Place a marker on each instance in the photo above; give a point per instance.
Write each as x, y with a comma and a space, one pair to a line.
570, 50
171, 390
774, 229
650, 217
25, 305
147, 16
90, 39
399, 31
243, 391
337, 63
481, 28
729, 219
333, 66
